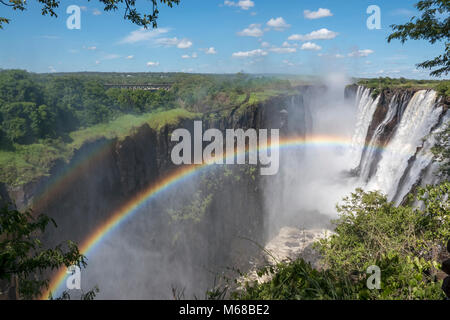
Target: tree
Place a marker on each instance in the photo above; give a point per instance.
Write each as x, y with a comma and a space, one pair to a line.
23, 260
433, 25
441, 150
131, 13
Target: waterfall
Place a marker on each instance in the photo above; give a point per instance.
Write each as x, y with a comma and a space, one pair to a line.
419, 117
366, 107
422, 161
370, 151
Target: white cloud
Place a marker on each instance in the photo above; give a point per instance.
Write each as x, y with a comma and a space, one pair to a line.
211, 50
97, 62
96, 12
252, 53
243, 4
310, 46
184, 44
92, 48
52, 69
186, 56
337, 56
129, 57
171, 42
388, 72
278, 24
360, 53
321, 13
253, 30
265, 44
321, 34
143, 35
283, 50
152, 64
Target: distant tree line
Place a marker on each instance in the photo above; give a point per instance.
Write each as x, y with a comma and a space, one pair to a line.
34, 107
47, 106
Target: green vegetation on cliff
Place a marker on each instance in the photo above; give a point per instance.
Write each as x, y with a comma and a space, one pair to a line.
22, 163
441, 86
45, 117
402, 241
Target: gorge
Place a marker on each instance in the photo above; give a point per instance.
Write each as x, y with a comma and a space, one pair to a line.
190, 230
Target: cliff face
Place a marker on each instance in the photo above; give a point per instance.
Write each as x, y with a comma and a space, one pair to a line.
105, 173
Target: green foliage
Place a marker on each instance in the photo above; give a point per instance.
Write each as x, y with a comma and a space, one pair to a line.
23, 256
441, 86
26, 162
297, 280
441, 150
444, 88
402, 241
131, 13
434, 26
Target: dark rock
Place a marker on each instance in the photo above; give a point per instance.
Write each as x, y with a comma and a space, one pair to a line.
446, 266
446, 286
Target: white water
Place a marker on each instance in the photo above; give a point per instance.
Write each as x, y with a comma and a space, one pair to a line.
366, 107
418, 119
366, 161
423, 160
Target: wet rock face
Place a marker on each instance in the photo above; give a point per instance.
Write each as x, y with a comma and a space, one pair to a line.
136, 160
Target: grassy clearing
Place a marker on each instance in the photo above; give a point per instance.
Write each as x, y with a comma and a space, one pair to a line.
27, 162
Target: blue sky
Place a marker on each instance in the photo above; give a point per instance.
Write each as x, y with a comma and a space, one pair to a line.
212, 36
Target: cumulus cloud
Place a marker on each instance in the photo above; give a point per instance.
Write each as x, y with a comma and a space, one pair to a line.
210, 50
172, 42
310, 46
152, 64
129, 57
252, 53
278, 24
253, 30
360, 53
143, 35
321, 13
283, 50
186, 56
243, 4
265, 44
321, 34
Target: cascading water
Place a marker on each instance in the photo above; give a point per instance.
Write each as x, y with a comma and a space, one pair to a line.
403, 157
418, 119
366, 108
369, 152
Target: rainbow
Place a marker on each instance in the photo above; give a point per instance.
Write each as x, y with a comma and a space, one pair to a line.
133, 205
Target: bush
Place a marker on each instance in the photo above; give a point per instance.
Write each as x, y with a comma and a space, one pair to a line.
404, 242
